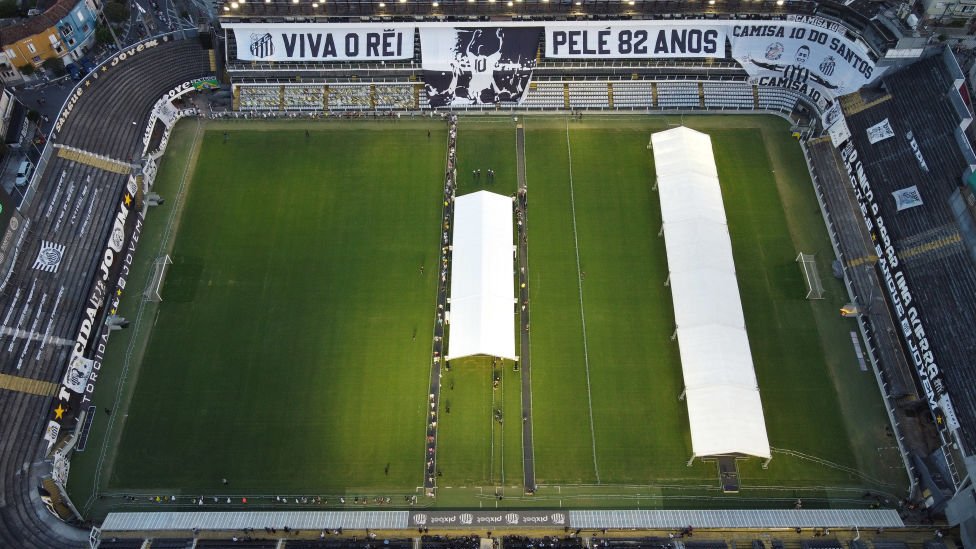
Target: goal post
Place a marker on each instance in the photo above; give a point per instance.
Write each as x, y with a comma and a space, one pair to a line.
160, 266
808, 264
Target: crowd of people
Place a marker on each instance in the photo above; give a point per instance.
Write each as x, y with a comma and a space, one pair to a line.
450, 184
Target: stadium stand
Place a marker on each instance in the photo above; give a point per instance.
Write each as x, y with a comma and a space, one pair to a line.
937, 265
525, 542
350, 543
450, 542
115, 543
171, 543
624, 543
74, 205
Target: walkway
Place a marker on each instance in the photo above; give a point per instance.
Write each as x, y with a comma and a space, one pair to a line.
528, 452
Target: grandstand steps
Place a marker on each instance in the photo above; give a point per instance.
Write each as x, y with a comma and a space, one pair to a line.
281, 98
610, 94
701, 95
755, 99
28, 385
372, 96
416, 96
325, 98
236, 101
566, 96
92, 159
654, 94
213, 60
57, 502
854, 103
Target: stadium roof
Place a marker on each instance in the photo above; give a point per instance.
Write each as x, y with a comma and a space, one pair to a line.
724, 409
482, 283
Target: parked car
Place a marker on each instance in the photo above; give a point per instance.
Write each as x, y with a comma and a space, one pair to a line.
24, 173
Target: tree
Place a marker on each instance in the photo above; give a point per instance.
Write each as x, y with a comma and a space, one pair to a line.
103, 35
116, 12
27, 70
55, 65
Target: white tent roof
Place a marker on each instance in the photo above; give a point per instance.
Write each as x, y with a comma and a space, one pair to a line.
482, 277
724, 409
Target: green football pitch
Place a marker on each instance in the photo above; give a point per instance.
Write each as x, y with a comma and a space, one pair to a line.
291, 351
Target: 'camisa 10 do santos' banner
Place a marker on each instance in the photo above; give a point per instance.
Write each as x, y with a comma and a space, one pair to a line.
297, 42
477, 65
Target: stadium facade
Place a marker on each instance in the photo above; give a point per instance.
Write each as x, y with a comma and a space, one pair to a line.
867, 95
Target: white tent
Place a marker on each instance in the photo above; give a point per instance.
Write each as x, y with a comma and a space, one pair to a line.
724, 409
482, 277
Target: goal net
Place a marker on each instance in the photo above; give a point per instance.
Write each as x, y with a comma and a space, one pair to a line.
809, 265
160, 266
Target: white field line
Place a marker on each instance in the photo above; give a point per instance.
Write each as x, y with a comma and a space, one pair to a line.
579, 281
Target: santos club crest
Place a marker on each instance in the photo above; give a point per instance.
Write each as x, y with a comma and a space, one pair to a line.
261, 45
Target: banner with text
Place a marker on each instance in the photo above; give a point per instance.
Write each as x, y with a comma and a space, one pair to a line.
803, 56
901, 302
322, 42
478, 66
636, 40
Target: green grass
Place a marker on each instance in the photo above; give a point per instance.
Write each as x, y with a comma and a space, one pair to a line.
283, 358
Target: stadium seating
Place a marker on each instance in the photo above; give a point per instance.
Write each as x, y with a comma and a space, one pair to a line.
231, 544
450, 542
354, 97
588, 95
630, 543
545, 95
350, 543
302, 97
260, 98
728, 95
935, 259
525, 542
171, 543
75, 204
678, 95
395, 96
636, 94
116, 543
777, 99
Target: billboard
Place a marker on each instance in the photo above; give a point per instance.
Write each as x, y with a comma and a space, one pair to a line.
805, 57
478, 65
322, 42
626, 40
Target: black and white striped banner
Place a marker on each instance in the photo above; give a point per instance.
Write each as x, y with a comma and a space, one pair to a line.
49, 256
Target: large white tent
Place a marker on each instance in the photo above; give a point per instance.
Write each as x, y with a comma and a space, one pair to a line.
724, 409
482, 277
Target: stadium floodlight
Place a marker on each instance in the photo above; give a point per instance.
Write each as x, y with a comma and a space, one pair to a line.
226, 8
382, 4
436, 4
510, 4
234, 5
779, 2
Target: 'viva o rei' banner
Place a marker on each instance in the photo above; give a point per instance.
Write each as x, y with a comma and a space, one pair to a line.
477, 65
321, 42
